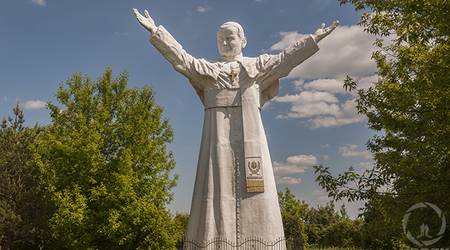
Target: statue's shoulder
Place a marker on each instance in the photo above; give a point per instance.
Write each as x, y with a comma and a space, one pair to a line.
250, 62
208, 63
207, 60
252, 65
211, 63
263, 58
249, 59
258, 63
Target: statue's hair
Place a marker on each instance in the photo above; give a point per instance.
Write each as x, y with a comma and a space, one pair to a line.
233, 24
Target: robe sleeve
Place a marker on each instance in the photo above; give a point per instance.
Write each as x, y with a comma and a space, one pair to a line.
274, 67
193, 68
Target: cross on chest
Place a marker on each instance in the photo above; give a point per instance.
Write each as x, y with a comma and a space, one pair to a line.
233, 69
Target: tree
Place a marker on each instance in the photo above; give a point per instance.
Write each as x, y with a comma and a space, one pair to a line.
318, 226
343, 233
104, 161
293, 213
24, 207
409, 107
181, 222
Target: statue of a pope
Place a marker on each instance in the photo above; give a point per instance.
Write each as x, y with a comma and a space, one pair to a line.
235, 197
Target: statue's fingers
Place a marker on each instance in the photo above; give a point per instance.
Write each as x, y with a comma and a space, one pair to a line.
335, 24
139, 17
137, 14
135, 11
147, 14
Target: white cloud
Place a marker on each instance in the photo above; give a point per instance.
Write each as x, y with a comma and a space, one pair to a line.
313, 109
309, 110
202, 9
320, 79
322, 108
282, 168
39, 2
352, 150
34, 104
347, 50
307, 97
295, 164
298, 83
367, 81
287, 180
304, 160
328, 85
347, 114
335, 86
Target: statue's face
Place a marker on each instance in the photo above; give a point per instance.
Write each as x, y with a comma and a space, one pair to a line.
229, 42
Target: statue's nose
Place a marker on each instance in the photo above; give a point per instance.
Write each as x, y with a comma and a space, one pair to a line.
225, 42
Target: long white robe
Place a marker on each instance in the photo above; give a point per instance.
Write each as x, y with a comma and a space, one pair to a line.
221, 206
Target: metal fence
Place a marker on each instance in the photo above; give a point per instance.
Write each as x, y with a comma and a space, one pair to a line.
251, 243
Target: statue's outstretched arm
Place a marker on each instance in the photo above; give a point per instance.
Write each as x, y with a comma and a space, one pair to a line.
279, 65
163, 41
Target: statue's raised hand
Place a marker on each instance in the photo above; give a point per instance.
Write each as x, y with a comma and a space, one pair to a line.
324, 31
146, 21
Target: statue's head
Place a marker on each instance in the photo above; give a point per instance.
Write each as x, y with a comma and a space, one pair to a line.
230, 39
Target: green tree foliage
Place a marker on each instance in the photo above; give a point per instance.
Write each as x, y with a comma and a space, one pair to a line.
181, 222
409, 106
24, 209
343, 233
104, 161
293, 213
318, 226
327, 228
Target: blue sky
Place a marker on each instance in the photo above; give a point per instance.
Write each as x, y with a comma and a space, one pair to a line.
313, 121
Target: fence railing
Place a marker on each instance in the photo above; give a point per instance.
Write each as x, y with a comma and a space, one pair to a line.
250, 243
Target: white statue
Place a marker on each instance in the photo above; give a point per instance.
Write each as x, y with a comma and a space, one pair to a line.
235, 196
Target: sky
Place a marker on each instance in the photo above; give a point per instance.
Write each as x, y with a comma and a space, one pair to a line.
312, 121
